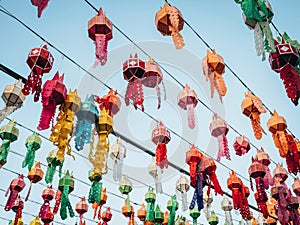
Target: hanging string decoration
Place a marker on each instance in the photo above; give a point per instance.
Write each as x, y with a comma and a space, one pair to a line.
100, 31
17, 207
219, 129
15, 187
106, 216
158, 216
41, 5
97, 207
169, 22
53, 94
252, 107
81, 208
195, 214
207, 201
35, 175
33, 143
152, 78
53, 161
45, 213
182, 187
226, 206
150, 198
258, 15
86, 117
8, 133
187, 100
161, 137
133, 72
40, 61
213, 66
241, 145
156, 172
13, 98
172, 206
36, 221
111, 102
118, 154
284, 60
142, 212
263, 158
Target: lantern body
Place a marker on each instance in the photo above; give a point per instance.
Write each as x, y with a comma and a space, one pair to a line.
141, 214
107, 215
36, 174
241, 145
193, 158
111, 102
125, 186
280, 173
82, 207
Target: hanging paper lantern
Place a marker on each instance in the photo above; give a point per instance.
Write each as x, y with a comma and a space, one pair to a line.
187, 100
133, 72
35, 175
153, 77
17, 207
158, 216
241, 145
226, 205
15, 187
41, 5
53, 161
45, 213
280, 173
106, 216
213, 219
40, 61
142, 212
219, 129
193, 158
161, 137
13, 98
156, 172
207, 201
182, 187
150, 198
53, 94
36, 221
283, 60
33, 143
172, 206
100, 31
213, 66
125, 186
252, 107
96, 188
195, 214
166, 218
118, 154
128, 211
169, 22
86, 117
264, 159
81, 208
111, 102
65, 187
8, 133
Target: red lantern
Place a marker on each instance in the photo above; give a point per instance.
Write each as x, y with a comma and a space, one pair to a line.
219, 129
110, 102
41, 4
53, 94
81, 208
40, 61
16, 186
193, 158
133, 71
292, 158
187, 100
45, 213
241, 145
17, 207
100, 31
161, 137
106, 216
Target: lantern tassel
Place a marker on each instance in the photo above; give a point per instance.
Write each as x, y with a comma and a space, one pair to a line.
101, 50
207, 211
228, 218
47, 115
184, 200
257, 129
135, 93
28, 193
19, 212
8, 110
259, 42
214, 180
157, 181
4, 149
161, 156
117, 171
219, 83
158, 96
65, 204
29, 158
57, 201
290, 79
83, 133
174, 19
268, 179
50, 173
191, 116
198, 195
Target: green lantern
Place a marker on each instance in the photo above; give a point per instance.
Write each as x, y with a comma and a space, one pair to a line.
53, 162
96, 189
194, 213
8, 133
158, 216
213, 219
180, 220
125, 186
33, 143
150, 199
172, 206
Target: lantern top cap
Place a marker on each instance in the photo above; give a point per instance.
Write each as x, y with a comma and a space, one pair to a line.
58, 77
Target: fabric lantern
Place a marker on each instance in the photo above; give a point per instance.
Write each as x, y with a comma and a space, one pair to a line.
8, 133
40, 61
213, 219
33, 143
158, 216
252, 107
100, 31
213, 66
111, 102
226, 205
106, 216
156, 172
36, 221
35, 175
264, 159
150, 198
81, 208
141, 214
187, 99
219, 129
169, 22
17, 207
45, 213
193, 158
86, 117
172, 206
15, 187
54, 93
152, 78
161, 137
279, 192
182, 187
53, 161
118, 154
207, 201
41, 5
13, 98
241, 145
195, 214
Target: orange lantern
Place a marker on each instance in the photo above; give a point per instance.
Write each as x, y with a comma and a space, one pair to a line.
111, 102
241, 145
81, 208
35, 175
272, 212
141, 214
252, 107
106, 216
128, 211
169, 22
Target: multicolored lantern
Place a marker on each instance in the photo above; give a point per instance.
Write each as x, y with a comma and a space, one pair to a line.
41, 5
142, 212
172, 206
213, 219
193, 158
264, 159
35, 175
36, 221
118, 154
161, 137
213, 66
111, 102
241, 145
169, 22
207, 201
252, 107
15, 187
219, 129
53, 161
187, 100
150, 198
13, 98
182, 187
152, 78
33, 143
133, 72
53, 94
8, 133
40, 61
156, 172
81, 208
106, 216
100, 31
86, 117
45, 213
17, 207
226, 205
195, 214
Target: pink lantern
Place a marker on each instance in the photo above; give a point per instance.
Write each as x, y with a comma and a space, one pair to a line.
241, 145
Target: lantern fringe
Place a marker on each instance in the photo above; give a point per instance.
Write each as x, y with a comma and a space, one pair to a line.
101, 50
219, 83
57, 201
206, 210
135, 93
19, 212
29, 158
174, 20
95, 192
223, 148
191, 116
65, 204
161, 156
269, 41
4, 149
83, 133
255, 122
158, 96
117, 169
228, 218
213, 178
198, 195
184, 201
51, 169
8, 110
47, 115
289, 80
259, 42
28, 193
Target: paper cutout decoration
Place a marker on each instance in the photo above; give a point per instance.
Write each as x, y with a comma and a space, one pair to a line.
111, 102
35, 175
